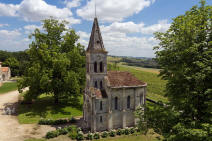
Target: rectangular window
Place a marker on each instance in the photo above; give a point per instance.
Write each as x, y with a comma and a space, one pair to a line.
100, 119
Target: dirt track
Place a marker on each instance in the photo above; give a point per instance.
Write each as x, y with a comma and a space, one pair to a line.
10, 129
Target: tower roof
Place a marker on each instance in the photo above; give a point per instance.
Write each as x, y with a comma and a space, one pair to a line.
96, 42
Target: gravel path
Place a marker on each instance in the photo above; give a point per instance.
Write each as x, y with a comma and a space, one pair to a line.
10, 129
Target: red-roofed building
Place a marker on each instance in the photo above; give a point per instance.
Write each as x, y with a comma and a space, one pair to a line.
111, 97
5, 73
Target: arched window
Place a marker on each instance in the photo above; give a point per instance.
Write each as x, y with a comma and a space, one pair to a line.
101, 85
95, 85
100, 119
128, 102
141, 99
116, 103
100, 105
95, 66
101, 67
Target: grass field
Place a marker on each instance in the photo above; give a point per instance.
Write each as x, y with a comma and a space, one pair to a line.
44, 107
8, 86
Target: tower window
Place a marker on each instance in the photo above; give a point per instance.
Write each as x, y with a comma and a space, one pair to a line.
95, 85
95, 66
128, 102
100, 119
101, 67
98, 42
116, 103
101, 85
100, 105
141, 99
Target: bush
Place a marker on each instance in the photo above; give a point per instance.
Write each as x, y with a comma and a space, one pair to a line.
126, 131
119, 132
52, 122
112, 133
132, 130
96, 136
79, 130
63, 131
104, 134
73, 135
52, 134
73, 120
89, 136
80, 136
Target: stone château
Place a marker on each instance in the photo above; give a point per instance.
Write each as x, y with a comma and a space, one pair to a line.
111, 97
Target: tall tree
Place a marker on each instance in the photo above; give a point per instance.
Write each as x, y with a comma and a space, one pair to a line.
185, 57
57, 62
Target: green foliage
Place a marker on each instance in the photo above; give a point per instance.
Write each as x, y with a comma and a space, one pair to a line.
104, 134
126, 131
79, 136
185, 56
17, 61
57, 63
96, 136
112, 133
132, 130
52, 134
119, 132
53, 122
89, 136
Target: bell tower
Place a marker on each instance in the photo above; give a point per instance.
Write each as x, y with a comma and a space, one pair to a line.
96, 59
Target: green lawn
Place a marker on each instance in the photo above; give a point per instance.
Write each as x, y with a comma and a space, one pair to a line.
8, 86
44, 107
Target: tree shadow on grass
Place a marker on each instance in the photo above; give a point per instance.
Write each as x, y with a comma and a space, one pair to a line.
44, 106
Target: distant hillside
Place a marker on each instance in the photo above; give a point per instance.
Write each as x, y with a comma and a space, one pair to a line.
134, 61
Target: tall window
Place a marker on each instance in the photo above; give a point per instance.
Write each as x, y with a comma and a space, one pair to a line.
141, 99
95, 85
101, 85
100, 119
87, 67
128, 102
101, 67
100, 105
95, 66
116, 103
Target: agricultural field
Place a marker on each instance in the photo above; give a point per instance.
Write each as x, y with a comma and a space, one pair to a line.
8, 86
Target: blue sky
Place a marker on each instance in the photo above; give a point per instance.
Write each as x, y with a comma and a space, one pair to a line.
127, 26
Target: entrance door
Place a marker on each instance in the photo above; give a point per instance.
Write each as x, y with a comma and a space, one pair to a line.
3, 77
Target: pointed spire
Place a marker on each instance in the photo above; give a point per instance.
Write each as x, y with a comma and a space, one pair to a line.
96, 42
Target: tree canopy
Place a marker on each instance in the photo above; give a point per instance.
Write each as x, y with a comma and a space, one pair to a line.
57, 62
185, 57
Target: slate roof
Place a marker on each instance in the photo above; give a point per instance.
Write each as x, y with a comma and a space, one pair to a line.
123, 79
96, 42
4, 69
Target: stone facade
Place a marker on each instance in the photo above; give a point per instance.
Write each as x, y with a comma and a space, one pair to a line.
111, 97
5, 73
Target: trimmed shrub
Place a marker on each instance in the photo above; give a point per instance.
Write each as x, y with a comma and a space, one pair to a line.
89, 136
52, 134
80, 136
52, 122
112, 133
79, 130
126, 131
63, 131
119, 132
132, 130
73, 135
96, 136
104, 134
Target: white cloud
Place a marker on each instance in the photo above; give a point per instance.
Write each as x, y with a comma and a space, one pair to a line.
8, 9
112, 10
36, 10
131, 27
12, 40
4, 25
30, 28
72, 3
